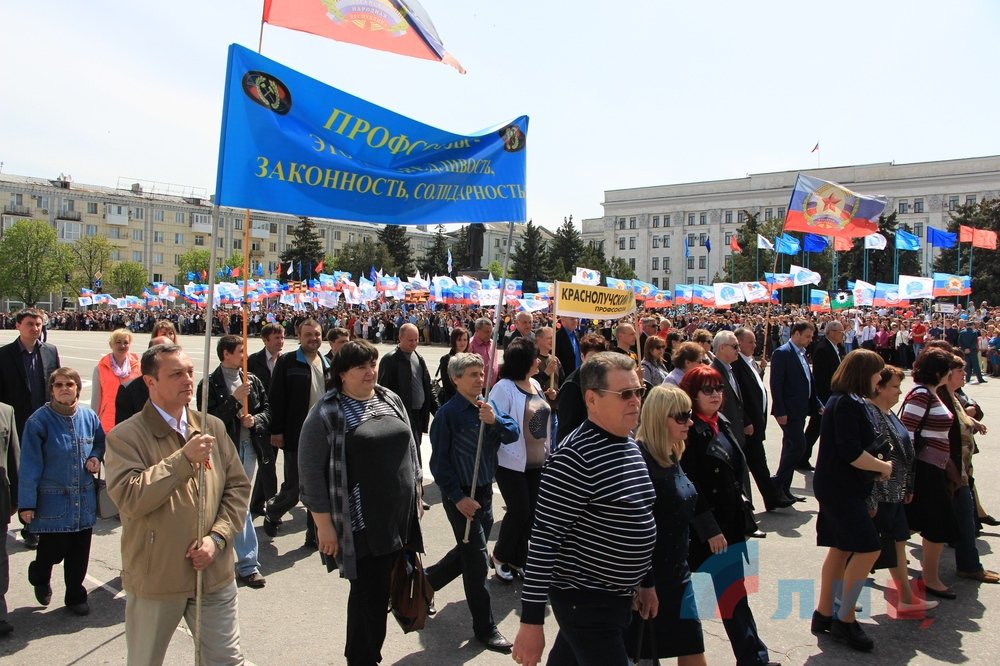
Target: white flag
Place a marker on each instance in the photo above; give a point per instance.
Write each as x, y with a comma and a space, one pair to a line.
763, 243
875, 242
803, 276
727, 293
587, 276
911, 286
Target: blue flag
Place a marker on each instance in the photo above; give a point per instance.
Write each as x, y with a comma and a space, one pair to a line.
687, 250
786, 244
938, 238
292, 144
708, 244
814, 243
907, 241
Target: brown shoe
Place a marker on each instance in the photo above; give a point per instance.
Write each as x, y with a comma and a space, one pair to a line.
254, 580
983, 576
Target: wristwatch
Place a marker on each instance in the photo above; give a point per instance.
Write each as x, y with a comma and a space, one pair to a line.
220, 543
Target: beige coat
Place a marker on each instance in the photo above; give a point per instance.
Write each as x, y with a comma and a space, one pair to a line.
156, 491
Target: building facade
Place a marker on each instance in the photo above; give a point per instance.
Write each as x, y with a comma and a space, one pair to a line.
647, 226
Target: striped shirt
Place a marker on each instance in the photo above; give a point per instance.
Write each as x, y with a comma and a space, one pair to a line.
935, 447
594, 527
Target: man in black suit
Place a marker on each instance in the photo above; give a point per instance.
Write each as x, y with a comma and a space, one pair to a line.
404, 372
650, 325
132, 397
522, 328
827, 352
749, 377
25, 366
261, 364
298, 381
568, 344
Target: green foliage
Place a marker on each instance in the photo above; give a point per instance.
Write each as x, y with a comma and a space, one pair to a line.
193, 261
91, 255
567, 245
32, 262
128, 278
984, 263
528, 258
435, 262
619, 268
880, 262
495, 268
557, 270
393, 237
460, 250
305, 248
358, 258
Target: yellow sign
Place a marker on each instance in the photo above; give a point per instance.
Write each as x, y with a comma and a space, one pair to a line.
590, 302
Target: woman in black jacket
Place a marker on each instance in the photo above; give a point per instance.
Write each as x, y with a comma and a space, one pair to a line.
716, 466
459, 344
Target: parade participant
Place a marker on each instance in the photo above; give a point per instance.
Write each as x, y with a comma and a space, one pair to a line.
625, 341
10, 454
459, 344
113, 371
572, 410
968, 342
826, 355
686, 356
595, 490
454, 439
715, 464
481, 343
366, 508
675, 630
654, 371
261, 364
165, 329
157, 497
61, 451
404, 372
337, 337
522, 328
568, 345
845, 526
228, 387
519, 463
132, 396
548, 363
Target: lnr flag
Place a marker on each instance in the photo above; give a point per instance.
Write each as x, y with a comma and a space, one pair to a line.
828, 209
294, 145
398, 26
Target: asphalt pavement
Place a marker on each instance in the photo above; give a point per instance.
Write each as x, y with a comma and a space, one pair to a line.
300, 617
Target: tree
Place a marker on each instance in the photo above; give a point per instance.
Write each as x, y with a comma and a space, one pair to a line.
91, 255
985, 263
306, 249
752, 263
880, 262
460, 250
435, 262
593, 257
128, 278
495, 268
32, 261
619, 268
528, 257
359, 257
393, 237
557, 270
193, 261
567, 244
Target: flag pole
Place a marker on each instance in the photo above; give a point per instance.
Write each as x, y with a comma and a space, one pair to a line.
489, 370
246, 303
260, 38
972, 254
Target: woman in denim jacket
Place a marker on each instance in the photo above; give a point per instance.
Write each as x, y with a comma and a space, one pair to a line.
61, 450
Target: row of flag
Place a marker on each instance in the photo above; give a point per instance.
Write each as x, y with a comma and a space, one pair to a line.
812, 243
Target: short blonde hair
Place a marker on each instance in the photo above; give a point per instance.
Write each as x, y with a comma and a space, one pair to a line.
661, 404
120, 334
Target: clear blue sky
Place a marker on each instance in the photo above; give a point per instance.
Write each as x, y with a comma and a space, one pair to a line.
619, 94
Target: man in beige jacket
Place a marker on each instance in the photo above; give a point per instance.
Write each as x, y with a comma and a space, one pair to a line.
152, 475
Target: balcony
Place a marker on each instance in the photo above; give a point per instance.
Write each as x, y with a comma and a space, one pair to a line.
73, 215
10, 209
260, 230
201, 227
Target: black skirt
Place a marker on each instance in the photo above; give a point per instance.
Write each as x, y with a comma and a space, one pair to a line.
676, 629
930, 512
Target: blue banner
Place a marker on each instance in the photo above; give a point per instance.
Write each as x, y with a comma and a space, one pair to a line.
294, 145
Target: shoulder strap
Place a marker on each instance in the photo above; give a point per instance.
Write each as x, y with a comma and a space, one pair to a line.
927, 413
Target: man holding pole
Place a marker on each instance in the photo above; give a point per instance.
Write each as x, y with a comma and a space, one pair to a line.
157, 497
467, 429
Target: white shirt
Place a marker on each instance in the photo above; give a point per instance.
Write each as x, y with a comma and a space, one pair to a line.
760, 382
271, 358
180, 428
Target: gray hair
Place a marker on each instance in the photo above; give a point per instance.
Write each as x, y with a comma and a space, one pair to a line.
743, 332
721, 339
833, 326
481, 323
459, 363
594, 371
520, 316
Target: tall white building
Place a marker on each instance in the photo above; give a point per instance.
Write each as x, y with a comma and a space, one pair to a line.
646, 226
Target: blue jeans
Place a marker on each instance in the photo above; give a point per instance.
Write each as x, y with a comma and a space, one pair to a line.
246, 540
972, 365
793, 445
966, 553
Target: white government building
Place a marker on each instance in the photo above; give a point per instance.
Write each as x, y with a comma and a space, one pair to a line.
646, 226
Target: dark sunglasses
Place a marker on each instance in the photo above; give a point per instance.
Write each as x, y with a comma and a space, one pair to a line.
709, 390
627, 394
60, 385
682, 417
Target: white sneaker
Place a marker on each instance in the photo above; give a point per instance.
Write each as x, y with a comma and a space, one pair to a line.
502, 571
918, 605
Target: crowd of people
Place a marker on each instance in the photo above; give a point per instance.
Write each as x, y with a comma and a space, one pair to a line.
626, 454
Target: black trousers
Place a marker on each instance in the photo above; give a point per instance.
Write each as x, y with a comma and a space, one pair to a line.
288, 496
753, 450
414, 416
812, 436
520, 492
591, 628
266, 484
71, 548
366, 614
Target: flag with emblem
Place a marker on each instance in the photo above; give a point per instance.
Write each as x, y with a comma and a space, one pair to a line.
946, 284
819, 300
842, 300
828, 209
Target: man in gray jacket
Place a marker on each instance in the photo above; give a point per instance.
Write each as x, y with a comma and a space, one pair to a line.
9, 458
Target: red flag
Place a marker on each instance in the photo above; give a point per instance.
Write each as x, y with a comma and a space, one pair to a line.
965, 234
236, 271
319, 266
828, 209
984, 239
397, 26
734, 245
204, 275
842, 244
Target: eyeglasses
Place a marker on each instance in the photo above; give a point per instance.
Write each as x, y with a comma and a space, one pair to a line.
682, 417
60, 385
627, 394
709, 390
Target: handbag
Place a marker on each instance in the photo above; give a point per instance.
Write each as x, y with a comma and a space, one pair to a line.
105, 506
436, 386
410, 593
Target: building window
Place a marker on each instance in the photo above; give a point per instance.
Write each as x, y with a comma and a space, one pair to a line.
703, 218
701, 280
631, 223
970, 199
137, 256
91, 229
781, 213
918, 229
116, 254
729, 217
729, 237
255, 246
274, 247
656, 221
238, 244
621, 223
179, 217
666, 283
691, 240
336, 235
157, 216
903, 206
138, 213
157, 236
656, 264
238, 224
702, 262
952, 203
91, 208
200, 218
178, 239
741, 217
158, 277
656, 241
701, 239
496, 242
918, 205
137, 234
631, 263
690, 219
666, 263
70, 231
656, 282
322, 234
767, 214
631, 243
199, 240
177, 260
157, 258
114, 233
666, 241
222, 222
690, 263
220, 242
621, 243
666, 220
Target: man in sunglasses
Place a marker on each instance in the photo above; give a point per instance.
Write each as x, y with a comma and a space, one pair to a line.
595, 490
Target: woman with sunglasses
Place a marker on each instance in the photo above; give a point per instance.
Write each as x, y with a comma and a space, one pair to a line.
716, 466
675, 630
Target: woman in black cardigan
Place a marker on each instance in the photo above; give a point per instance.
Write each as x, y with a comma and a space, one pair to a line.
459, 344
716, 466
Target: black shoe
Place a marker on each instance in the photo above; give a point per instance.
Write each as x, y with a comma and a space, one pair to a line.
425, 505
496, 642
30, 540
852, 634
820, 623
311, 544
989, 520
43, 593
5, 628
270, 527
255, 580
781, 503
946, 593
804, 467
79, 609
759, 534
796, 498
257, 511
